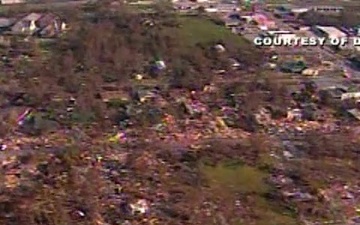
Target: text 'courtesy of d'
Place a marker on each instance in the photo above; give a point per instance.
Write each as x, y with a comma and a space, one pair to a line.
306, 41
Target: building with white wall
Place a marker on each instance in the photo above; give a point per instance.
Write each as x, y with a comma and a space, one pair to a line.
7, 2
328, 32
328, 9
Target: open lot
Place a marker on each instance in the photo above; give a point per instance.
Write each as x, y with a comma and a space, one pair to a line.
200, 30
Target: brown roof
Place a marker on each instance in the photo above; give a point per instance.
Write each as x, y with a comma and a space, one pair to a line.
32, 17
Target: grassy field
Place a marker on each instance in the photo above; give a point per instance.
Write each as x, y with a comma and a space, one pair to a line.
201, 30
237, 178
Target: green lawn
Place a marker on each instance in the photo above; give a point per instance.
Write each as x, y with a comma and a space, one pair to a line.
201, 30
269, 215
235, 178
240, 178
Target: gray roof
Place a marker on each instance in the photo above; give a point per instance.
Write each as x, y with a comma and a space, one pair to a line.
32, 17
355, 113
226, 7
325, 83
6, 22
232, 21
25, 22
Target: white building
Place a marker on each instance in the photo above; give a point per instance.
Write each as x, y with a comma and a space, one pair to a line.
221, 8
278, 32
299, 10
328, 9
281, 34
7, 2
328, 32
211, 10
350, 95
248, 19
227, 8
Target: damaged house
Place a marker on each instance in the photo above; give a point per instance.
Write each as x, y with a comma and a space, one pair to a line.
50, 25
332, 95
354, 113
306, 111
42, 25
26, 25
6, 23
5, 26
144, 93
111, 96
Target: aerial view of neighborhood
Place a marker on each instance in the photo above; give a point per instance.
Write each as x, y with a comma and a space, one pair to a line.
179, 112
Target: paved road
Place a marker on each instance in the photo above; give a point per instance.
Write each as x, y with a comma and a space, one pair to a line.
50, 5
